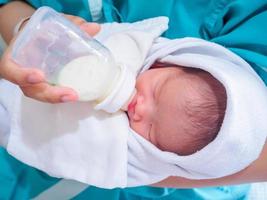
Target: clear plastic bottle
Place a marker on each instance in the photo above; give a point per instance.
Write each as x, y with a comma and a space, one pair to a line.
69, 57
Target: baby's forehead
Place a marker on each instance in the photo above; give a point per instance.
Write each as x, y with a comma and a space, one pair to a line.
176, 84
171, 98
177, 93
180, 87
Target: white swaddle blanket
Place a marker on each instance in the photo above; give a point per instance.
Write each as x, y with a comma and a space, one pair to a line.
76, 142
244, 128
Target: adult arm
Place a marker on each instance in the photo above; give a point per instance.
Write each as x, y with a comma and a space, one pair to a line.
256, 172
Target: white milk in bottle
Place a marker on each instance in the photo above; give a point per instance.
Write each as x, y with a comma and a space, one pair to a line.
91, 76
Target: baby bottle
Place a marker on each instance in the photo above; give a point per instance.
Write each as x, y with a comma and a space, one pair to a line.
70, 57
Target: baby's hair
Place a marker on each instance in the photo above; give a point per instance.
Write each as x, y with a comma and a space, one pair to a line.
205, 112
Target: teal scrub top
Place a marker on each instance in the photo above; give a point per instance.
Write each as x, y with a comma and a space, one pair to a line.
236, 24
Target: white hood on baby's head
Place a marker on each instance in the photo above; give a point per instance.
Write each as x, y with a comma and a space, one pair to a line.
244, 128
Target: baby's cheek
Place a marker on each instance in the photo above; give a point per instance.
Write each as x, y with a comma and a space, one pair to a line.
139, 128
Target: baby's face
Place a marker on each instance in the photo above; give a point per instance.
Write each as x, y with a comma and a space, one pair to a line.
154, 111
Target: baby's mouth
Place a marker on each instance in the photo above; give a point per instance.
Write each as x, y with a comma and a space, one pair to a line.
131, 107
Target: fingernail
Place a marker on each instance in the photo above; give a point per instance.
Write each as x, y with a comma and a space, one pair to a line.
68, 98
33, 78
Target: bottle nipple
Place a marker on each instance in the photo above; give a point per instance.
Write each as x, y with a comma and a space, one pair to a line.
122, 93
125, 106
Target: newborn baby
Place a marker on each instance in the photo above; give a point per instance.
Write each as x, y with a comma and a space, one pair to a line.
178, 123
177, 109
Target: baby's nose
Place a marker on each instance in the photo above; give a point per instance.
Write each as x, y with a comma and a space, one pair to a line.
142, 109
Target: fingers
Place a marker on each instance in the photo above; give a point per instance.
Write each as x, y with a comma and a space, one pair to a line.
90, 28
51, 94
32, 82
76, 20
19, 75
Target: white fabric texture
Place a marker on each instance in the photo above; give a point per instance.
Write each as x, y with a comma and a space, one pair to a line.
76, 142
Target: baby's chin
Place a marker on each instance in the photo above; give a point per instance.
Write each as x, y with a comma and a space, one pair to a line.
138, 131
